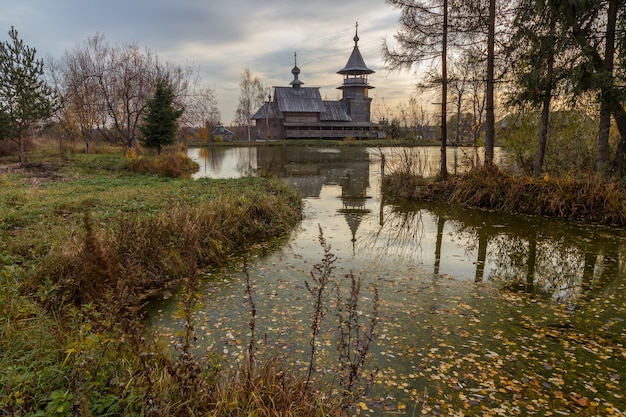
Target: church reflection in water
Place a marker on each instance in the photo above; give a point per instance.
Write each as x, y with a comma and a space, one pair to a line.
548, 258
310, 169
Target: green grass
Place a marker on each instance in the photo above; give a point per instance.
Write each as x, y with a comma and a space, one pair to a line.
82, 243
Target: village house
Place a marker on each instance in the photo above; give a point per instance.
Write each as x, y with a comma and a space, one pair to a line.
221, 134
298, 112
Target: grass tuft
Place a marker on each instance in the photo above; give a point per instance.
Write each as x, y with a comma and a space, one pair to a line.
171, 164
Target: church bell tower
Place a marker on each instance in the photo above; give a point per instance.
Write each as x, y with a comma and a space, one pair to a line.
355, 86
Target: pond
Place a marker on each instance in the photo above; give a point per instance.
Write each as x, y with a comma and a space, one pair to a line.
481, 313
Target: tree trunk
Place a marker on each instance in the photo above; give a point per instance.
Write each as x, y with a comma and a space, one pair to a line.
620, 119
608, 95
602, 158
543, 134
490, 116
443, 174
545, 112
457, 135
20, 145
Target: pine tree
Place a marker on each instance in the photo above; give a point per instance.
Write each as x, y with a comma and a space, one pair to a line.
25, 97
159, 125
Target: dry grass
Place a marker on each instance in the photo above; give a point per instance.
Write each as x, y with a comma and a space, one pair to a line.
590, 199
169, 164
268, 389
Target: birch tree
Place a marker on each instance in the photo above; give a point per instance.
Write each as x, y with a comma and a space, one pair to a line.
250, 100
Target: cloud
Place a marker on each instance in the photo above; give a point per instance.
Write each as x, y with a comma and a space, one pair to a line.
223, 38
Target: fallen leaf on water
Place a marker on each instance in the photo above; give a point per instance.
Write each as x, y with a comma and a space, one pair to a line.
580, 401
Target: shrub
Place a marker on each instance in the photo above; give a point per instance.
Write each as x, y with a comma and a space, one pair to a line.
173, 165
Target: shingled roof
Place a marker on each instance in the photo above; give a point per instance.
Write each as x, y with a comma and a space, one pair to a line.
303, 99
356, 64
335, 111
268, 111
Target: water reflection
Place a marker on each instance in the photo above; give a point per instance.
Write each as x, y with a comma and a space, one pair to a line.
551, 259
452, 327
223, 162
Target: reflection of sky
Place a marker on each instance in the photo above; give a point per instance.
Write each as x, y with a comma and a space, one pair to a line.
224, 162
425, 321
374, 247
392, 241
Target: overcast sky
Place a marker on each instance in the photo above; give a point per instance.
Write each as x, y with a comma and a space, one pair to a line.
221, 38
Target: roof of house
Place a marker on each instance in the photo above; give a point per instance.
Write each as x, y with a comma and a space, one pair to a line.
221, 130
333, 111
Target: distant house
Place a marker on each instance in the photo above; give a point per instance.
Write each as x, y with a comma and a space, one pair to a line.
221, 134
299, 112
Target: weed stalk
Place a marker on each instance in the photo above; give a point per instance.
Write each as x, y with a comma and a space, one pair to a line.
321, 275
354, 340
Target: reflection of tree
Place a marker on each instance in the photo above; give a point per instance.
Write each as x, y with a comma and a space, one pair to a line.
602, 266
400, 232
551, 259
531, 262
441, 222
546, 266
483, 239
246, 161
213, 157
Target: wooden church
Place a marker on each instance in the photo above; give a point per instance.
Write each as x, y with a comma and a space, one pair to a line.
298, 112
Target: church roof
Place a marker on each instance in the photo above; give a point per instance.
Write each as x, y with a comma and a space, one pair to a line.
268, 111
356, 64
303, 99
335, 111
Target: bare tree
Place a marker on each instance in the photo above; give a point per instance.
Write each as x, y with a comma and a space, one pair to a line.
459, 83
250, 100
423, 36
83, 113
478, 100
106, 88
490, 137
201, 111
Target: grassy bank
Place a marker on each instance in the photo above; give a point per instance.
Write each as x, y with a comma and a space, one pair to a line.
82, 244
590, 199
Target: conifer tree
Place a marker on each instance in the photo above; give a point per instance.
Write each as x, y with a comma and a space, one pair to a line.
159, 125
25, 97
